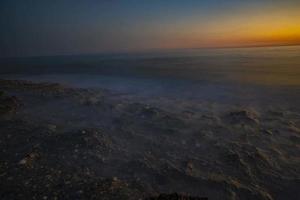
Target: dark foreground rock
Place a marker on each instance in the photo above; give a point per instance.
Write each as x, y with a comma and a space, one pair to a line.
175, 196
62, 143
8, 104
246, 117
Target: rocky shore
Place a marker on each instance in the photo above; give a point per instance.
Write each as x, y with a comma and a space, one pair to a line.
67, 143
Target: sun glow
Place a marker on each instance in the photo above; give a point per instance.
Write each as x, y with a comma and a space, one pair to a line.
276, 27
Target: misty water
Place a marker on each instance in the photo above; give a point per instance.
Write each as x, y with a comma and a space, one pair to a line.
218, 123
239, 75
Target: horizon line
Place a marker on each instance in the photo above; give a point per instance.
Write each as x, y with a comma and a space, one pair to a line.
153, 50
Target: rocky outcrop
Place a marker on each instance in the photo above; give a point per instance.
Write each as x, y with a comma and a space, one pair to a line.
8, 104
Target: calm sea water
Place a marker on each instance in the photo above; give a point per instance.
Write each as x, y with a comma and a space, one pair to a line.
223, 75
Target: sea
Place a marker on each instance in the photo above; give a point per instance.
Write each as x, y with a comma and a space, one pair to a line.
256, 75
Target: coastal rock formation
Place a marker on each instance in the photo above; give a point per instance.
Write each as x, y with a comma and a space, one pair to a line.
55, 145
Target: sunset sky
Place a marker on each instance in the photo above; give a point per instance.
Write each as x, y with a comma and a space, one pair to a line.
39, 27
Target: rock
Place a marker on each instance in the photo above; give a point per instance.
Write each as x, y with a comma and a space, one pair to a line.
189, 168
242, 117
188, 113
1, 94
268, 132
295, 139
29, 159
8, 104
52, 127
143, 111
294, 129
149, 112
175, 196
276, 113
90, 101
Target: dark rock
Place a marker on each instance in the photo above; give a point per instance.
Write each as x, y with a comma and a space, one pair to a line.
295, 139
175, 196
52, 127
294, 129
242, 117
8, 104
268, 132
149, 111
29, 159
1, 94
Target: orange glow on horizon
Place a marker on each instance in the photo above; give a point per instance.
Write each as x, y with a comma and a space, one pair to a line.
268, 28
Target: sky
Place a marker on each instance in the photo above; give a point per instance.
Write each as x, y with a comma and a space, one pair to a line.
59, 27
